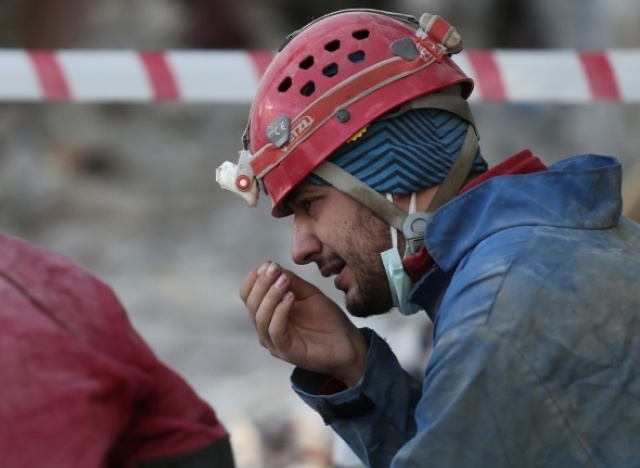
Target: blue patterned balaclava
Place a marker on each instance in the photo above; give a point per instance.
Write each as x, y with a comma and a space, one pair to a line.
407, 153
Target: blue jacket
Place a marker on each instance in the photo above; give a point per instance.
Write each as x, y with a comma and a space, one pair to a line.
536, 358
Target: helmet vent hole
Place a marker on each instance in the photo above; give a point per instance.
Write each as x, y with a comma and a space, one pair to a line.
308, 89
361, 34
285, 85
330, 70
357, 56
332, 46
307, 63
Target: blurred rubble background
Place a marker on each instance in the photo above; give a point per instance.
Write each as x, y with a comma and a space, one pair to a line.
129, 192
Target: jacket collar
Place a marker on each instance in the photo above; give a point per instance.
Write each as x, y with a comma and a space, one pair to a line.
521, 163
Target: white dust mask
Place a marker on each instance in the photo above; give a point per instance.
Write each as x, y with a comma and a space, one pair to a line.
400, 283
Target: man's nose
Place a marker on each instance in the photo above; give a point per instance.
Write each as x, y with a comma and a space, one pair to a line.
305, 246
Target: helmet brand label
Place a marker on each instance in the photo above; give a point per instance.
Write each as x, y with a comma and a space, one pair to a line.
301, 126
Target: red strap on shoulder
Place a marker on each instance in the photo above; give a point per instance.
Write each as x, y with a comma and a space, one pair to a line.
523, 162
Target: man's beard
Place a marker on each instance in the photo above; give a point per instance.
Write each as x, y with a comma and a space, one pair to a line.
372, 295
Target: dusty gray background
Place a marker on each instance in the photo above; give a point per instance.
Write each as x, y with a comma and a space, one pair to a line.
128, 191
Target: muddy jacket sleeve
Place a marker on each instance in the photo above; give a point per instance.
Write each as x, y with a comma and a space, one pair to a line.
376, 417
448, 423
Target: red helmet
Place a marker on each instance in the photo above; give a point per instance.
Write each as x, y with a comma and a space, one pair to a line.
328, 82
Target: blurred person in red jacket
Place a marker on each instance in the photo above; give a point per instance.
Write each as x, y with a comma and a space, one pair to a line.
81, 388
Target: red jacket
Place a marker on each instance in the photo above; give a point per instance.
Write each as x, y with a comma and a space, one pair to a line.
80, 388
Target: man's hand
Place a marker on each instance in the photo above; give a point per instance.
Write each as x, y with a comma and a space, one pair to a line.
297, 323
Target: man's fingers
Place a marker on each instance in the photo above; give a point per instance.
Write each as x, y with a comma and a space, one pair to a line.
263, 291
302, 288
271, 301
256, 285
279, 327
249, 280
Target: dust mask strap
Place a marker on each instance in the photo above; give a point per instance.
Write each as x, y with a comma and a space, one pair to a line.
400, 283
393, 229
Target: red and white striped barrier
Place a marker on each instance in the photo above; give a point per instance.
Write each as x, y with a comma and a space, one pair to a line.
512, 76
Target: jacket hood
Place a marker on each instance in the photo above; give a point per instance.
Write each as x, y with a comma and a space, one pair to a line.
557, 197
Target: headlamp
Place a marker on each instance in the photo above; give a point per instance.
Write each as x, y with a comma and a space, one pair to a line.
239, 178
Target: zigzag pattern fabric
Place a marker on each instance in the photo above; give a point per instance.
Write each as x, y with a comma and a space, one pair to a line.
406, 153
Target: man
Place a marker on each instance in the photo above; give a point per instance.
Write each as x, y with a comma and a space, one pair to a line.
80, 388
360, 130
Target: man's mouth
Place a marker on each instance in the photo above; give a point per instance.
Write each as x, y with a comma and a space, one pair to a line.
337, 267
332, 269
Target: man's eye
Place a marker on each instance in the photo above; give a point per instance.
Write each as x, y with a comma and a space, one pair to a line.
308, 204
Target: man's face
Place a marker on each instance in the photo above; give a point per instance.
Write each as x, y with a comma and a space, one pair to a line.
344, 239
